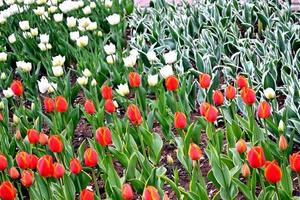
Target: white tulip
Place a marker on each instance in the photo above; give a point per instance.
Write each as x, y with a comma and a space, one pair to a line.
110, 59
151, 55
3, 76
1, 105
87, 73
57, 71
152, 79
108, 3
123, 89
58, 17
166, 71
8, 93
80, 4
93, 5
49, 46
170, 57
74, 35
94, 82
83, 23
42, 47
82, 41
92, 26
82, 80
39, 11
24, 25
34, 31
16, 119
27, 35
87, 10
2, 19
113, 19
44, 38
40, 2
99, 33
43, 85
58, 60
134, 52
115, 104
110, 49
269, 93
52, 87
52, 9
281, 126
24, 66
12, 38
71, 22
3, 56
129, 61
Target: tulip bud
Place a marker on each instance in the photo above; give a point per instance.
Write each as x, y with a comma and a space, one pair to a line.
58, 170
75, 166
22, 159
241, 81
103, 136
90, 157
55, 144
27, 178
134, 79
256, 157
230, 92
33, 160
109, 106
16, 119
264, 110
3, 76
269, 93
180, 120
152, 80
151, 193
170, 160
248, 95
245, 170
283, 144
13, 173
218, 97
134, 114
45, 166
1, 105
281, 126
171, 83
113, 19
127, 192
86, 194
94, 82
170, 57
3, 162
33, 136
211, 113
17, 87
204, 80
123, 89
195, 152
107, 92
295, 162
18, 135
273, 172
61, 104
43, 140
89, 107
241, 146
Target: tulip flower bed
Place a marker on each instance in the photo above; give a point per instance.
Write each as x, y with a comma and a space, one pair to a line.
101, 100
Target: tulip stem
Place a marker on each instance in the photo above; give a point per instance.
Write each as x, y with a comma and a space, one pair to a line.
298, 176
20, 191
142, 142
95, 183
276, 190
261, 181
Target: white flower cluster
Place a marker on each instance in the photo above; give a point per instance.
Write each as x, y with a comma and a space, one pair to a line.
44, 44
24, 66
46, 86
57, 65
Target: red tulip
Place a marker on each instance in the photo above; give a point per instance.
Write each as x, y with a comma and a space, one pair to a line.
43, 139
171, 83
17, 88
203, 108
256, 157
127, 192
89, 107
248, 95
55, 144
33, 136
195, 152
3, 162
107, 92
61, 104
90, 157
295, 162
7, 191
179, 120
134, 114
75, 166
109, 106
27, 178
22, 159
241, 81
103, 136
241, 146
273, 172
211, 114
45, 166
151, 193
33, 160
204, 80
13, 173
1, 117
230, 92
218, 97
264, 110
58, 170
86, 194
49, 104
134, 79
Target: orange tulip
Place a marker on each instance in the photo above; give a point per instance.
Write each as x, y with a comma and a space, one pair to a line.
264, 110
179, 120
211, 114
61, 104
55, 144
90, 157
134, 79
245, 170
58, 170
218, 97
17, 88
106, 92
127, 192
3, 162
45, 166
248, 95
171, 83
89, 107
109, 106
151, 193
86, 194
103, 136
7, 191
241, 81
33, 160
283, 144
195, 152
49, 104
230, 92
134, 114
22, 159
33, 136
27, 178
295, 162
273, 172
241, 146
203, 108
204, 80
75, 166
256, 157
